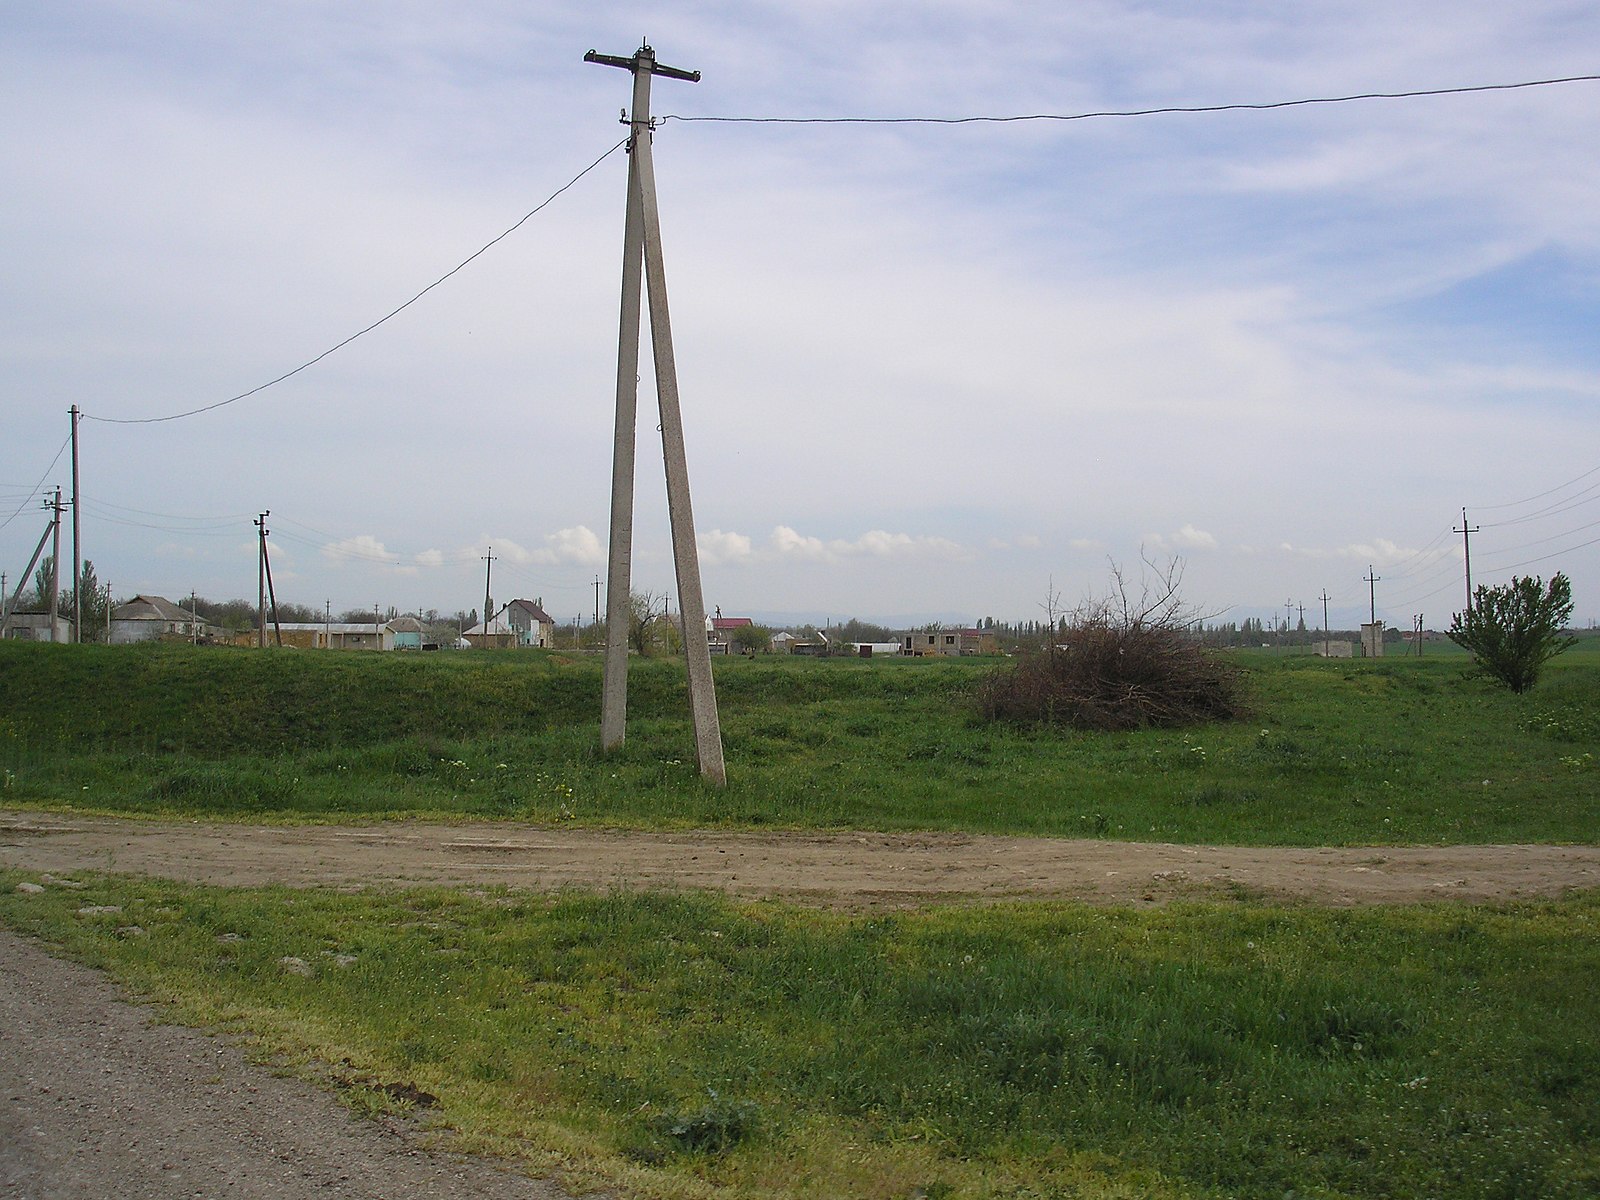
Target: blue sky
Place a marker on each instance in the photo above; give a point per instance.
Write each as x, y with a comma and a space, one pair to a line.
926, 370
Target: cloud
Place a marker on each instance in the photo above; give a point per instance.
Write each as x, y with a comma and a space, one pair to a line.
431, 558
718, 547
363, 546
1187, 538
875, 543
575, 546
1379, 550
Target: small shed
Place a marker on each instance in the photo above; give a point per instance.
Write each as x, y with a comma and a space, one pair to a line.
35, 627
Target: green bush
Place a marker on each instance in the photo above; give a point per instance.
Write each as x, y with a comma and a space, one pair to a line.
1514, 630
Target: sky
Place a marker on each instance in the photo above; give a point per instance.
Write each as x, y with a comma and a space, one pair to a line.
928, 371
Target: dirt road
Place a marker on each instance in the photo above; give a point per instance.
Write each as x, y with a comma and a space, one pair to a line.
848, 870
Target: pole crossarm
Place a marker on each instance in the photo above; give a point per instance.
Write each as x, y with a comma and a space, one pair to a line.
644, 59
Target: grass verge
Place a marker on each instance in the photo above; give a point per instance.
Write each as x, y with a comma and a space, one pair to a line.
1334, 753
687, 1045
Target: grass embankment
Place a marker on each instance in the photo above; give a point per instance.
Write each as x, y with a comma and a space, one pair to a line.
1337, 752
675, 1043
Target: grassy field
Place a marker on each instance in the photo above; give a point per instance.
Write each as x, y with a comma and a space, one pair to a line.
690, 1046
1336, 752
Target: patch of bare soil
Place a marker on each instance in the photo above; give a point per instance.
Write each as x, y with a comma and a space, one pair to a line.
842, 870
98, 1100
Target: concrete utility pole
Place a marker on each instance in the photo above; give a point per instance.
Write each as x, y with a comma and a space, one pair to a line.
6, 606
1466, 531
488, 566
77, 554
194, 619
55, 567
1326, 644
642, 241
1372, 581
261, 579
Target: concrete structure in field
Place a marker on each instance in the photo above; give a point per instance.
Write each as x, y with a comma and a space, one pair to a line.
1331, 649
35, 627
1372, 640
941, 642
155, 618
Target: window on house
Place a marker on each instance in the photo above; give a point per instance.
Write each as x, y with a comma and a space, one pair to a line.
949, 639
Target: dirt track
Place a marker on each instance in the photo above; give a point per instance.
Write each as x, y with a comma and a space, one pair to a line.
848, 870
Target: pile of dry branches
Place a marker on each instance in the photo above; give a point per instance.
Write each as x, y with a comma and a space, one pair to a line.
1121, 662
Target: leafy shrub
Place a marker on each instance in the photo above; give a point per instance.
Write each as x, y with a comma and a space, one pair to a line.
1515, 629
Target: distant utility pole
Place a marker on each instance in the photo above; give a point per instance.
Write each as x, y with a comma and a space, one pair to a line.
77, 554
1288, 607
194, 619
55, 567
51, 527
488, 566
265, 591
1372, 580
327, 624
597, 599
642, 256
1326, 645
1466, 531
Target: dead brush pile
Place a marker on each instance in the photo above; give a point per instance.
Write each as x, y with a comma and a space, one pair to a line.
1107, 676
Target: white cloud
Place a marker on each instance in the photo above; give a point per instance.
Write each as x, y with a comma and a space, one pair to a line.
576, 546
718, 547
875, 543
1187, 538
431, 558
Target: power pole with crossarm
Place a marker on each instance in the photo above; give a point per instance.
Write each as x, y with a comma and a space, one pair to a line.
642, 263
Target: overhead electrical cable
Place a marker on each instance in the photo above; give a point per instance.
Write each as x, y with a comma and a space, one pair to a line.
1566, 504
1139, 112
362, 332
1528, 562
1529, 500
35, 490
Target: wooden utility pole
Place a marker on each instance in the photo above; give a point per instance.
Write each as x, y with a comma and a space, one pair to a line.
1372, 580
77, 554
261, 579
642, 256
1327, 646
1466, 531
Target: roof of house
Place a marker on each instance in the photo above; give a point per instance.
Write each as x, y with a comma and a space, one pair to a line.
533, 610
497, 628
404, 625
150, 608
720, 623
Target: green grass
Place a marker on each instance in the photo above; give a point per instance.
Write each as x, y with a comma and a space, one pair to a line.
1336, 752
681, 1043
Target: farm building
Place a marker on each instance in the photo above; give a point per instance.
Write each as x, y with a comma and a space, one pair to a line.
35, 627
324, 635
940, 642
155, 618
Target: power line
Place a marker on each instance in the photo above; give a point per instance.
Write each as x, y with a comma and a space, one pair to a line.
1558, 488
35, 489
362, 332
1139, 112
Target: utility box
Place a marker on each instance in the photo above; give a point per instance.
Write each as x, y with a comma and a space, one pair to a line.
1372, 640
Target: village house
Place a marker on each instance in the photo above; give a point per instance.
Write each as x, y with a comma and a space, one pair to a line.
954, 642
155, 618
